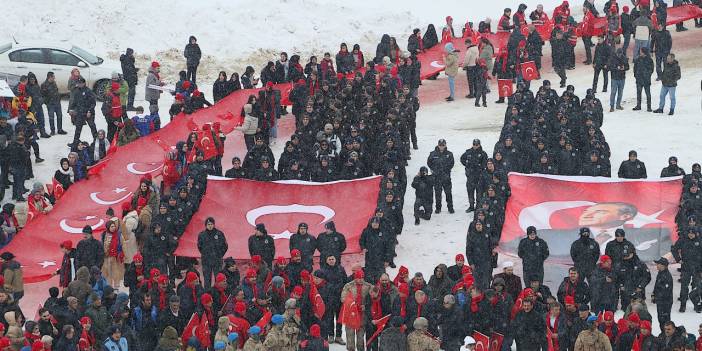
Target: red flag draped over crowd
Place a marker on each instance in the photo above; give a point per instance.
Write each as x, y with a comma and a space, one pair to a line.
281, 206
559, 205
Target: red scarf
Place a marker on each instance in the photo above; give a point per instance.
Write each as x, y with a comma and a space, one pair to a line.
609, 331
553, 330
161, 299
254, 288
385, 289
114, 245
475, 301
419, 307
89, 337
636, 346
359, 290
208, 314
376, 309
222, 295
139, 273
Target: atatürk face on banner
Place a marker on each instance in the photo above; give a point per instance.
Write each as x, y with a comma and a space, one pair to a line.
607, 215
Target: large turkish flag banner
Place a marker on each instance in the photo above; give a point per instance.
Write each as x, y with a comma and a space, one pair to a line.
237, 205
559, 205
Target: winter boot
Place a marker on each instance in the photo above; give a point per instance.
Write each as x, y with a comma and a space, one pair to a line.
339, 341
637, 108
416, 220
682, 306
660, 110
672, 112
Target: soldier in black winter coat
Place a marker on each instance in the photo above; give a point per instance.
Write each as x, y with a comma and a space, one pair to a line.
212, 245
585, 251
663, 291
534, 45
643, 70
158, 247
528, 328
335, 279
533, 251
423, 183
559, 55
306, 243
377, 248
330, 243
89, 251
474, 160
673, 170
480, 249
632, 168
595, 166
688, 251
441, 162
262, 244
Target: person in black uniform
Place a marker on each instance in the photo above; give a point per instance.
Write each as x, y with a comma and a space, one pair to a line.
688, 251
632, 168
474, 160
330, 243
306, 243
585, 252
663, 291
260, 243
212, 245
533, 251
441, 162
423, 185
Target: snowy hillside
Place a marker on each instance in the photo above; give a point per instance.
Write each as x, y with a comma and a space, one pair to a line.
234, 34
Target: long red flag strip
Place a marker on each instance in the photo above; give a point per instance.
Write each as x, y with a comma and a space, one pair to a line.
559, 205
237, 205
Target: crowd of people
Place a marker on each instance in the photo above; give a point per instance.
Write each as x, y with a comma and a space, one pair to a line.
127, 291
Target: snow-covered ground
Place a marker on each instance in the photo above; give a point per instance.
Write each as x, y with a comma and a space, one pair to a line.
258, 30
235, 33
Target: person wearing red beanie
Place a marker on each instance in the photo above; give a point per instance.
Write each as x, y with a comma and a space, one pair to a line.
190, 293
65, 271
153, 79
357, 290
315, 341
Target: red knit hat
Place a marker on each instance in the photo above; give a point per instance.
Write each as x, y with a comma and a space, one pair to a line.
605, 258
608, 316
339, 76
298, 291
115, 86
315, 331
186, 84
206, 299
295, 253
68, 245
569, 300
179, 97
305, 275
220, 278
196, 93
86, 320
256, 259
280, 261
269, 84
138, 257
251, 273
162, 279
190, 277
460, 257
359, 274
403, 270
240, 307
154, 272
634, 318
155, 64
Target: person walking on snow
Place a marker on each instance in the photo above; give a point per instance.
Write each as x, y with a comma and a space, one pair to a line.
451, 62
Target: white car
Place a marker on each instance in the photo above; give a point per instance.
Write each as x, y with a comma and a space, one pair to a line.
60, 58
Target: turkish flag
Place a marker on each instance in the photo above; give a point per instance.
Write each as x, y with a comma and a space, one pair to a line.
241, 327
496, 341
281, 206
529, 70
350, 314
57, 189
86, 201
207, 144
318, 306
191, 328
559, 205
504, 87
203, 333
482, 342
379, 326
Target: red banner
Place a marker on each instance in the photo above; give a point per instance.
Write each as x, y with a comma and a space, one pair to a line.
558, 206
529, 70
496, 340
238, 205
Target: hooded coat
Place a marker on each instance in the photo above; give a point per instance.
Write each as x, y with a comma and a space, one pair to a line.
440, 287
80, 288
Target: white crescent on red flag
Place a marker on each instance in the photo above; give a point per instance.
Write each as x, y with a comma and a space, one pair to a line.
504, 87
281, 206
529, 70
482, 342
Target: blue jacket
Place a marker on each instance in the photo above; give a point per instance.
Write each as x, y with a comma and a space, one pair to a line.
145, 124
111, 345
